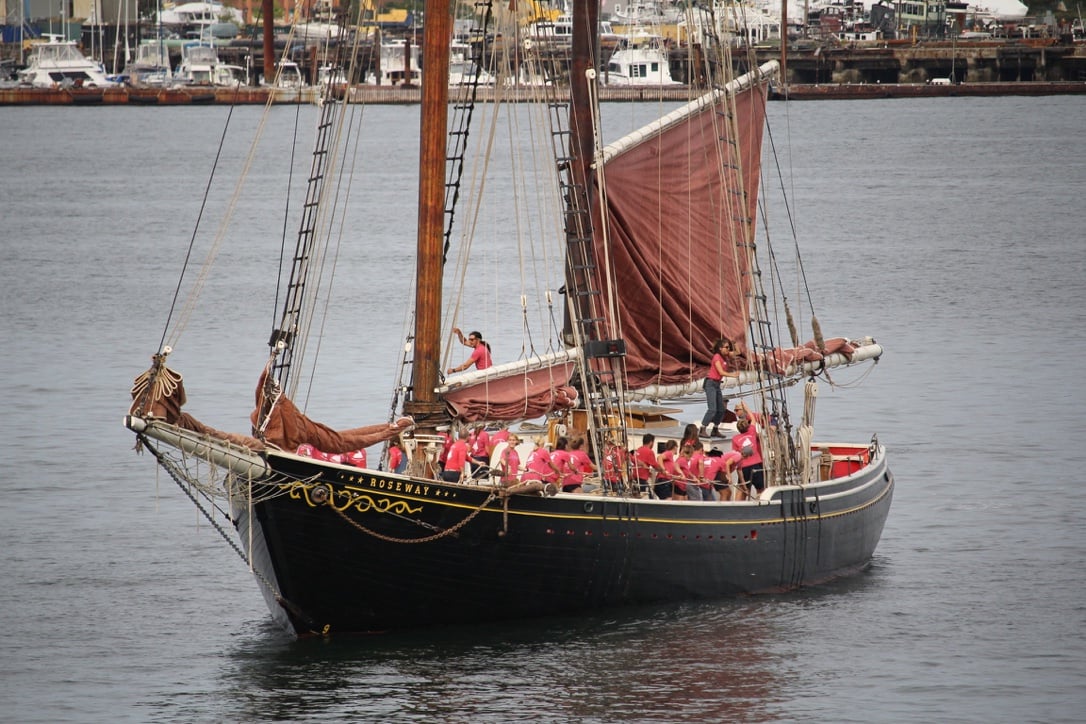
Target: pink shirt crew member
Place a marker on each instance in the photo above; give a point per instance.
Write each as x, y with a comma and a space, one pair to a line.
480, 351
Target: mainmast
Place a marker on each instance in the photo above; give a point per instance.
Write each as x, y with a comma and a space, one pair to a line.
586, 18
603, 370
424, 404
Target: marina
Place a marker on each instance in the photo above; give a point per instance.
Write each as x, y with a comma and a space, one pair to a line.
647, 51
378, 95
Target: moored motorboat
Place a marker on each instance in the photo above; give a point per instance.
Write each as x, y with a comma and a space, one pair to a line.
640, 58
59, 63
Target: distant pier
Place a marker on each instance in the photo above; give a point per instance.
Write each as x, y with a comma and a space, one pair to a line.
822, 71
409, 96
991, 61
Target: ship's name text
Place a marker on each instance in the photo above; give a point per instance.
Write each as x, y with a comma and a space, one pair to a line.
398, 486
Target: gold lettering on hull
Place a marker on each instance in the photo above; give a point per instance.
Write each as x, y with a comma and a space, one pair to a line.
407, 487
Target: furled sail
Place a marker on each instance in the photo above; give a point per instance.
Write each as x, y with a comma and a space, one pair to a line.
681, 195
513, 391
280, 423
159, 394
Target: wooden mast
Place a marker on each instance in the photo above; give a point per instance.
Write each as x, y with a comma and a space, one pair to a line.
267, 11
424, 404
581, 146
586, 18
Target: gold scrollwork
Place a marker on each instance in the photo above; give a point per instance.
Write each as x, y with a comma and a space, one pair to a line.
364, 503
302, 491
359, 501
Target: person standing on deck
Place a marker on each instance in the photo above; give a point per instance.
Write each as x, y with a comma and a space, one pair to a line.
578, 458
396, 460
750, 450
690, 436
645, 462
539, 466
700, 489
502, 435
479, 449
742, 411
509, 462
690, 477
614, 465
480, 351
719, 368
457, 460
446, 445
669, 461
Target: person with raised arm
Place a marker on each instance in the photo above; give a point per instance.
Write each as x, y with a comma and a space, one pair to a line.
480, 351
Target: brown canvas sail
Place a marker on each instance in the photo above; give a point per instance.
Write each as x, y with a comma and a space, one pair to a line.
677, 217
529, 394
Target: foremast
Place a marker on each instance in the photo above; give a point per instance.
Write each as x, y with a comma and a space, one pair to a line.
287, 340
424, 404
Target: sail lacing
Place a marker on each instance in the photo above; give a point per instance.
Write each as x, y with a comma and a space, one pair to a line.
157, 383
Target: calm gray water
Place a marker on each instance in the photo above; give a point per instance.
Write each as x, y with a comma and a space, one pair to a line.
951, 229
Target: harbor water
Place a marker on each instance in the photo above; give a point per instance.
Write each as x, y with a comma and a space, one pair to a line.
951, 229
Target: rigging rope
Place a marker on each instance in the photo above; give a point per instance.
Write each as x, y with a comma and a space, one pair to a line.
195, 229
180, 479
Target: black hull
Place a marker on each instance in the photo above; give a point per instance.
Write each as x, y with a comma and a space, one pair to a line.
360, 569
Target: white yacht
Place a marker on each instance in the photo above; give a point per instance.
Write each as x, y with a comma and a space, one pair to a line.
319, 24
653, 12
558, 32
399, 64
200, 65
640, 59
287, 75
200, 15
59, 62
151, 66
463, 70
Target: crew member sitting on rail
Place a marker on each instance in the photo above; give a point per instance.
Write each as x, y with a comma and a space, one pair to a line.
480, 351
479, 449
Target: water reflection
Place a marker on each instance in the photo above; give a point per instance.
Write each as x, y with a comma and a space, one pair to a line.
708, 661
